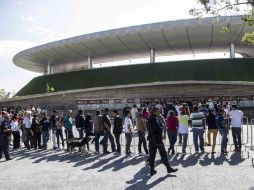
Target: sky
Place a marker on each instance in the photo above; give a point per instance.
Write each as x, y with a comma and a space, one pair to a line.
28, 23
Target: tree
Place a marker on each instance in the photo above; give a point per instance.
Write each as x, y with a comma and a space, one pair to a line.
219, 8
49, 89
5, 95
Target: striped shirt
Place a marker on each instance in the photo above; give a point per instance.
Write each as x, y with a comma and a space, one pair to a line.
197, 120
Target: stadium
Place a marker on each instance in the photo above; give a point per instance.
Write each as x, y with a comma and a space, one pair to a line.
71, 77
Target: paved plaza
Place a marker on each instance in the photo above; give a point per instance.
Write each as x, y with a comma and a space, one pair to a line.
50, 169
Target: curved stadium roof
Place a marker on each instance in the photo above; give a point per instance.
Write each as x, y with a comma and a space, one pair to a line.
188, 36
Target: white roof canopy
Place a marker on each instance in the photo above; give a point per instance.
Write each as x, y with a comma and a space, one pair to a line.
189, 36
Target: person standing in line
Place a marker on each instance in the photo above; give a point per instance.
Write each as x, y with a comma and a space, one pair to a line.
36, 128
15, 132
53, 127
45, 130
236, 116
146, 113
98, 130
27, 122
68, 124
59, 131
134, 112
223, 129
197, 122
107, 133
141, 133
80, 123
173, 124
212, 130
4, 131
118, 129
155, 131
128, 127
89, 128
184, 129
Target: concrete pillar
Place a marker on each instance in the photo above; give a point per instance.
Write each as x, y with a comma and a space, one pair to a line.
90, 62
152, 55
49, 68
45, 70
232, 50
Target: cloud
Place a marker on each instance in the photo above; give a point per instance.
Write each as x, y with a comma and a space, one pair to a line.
8, 48
46, 34
28, 17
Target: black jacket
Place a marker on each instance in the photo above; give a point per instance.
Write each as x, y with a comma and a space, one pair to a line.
106, 123
155, 129
80, 121
118, 126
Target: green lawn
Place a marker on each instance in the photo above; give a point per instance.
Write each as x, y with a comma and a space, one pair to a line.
206, 70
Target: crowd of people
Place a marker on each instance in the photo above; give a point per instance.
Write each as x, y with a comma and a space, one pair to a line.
151, 122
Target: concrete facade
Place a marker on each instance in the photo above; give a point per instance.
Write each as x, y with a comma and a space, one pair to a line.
67, 100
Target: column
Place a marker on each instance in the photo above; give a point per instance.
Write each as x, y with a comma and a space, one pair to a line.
152, 55
90, 62
49, 68
232, 50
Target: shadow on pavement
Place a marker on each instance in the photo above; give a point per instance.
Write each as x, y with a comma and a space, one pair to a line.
141, 178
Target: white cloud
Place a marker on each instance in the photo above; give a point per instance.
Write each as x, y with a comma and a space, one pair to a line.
28, 17
46, 35
10, 48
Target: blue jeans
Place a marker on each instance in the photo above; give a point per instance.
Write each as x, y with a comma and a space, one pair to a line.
236, 133
172, 137
98, 134
184, 138
224, 139
45, 138
198, 134
81, 132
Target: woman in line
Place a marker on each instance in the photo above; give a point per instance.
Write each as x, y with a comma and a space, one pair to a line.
59, 131
15, 132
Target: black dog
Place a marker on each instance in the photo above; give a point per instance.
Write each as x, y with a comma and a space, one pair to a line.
73, 143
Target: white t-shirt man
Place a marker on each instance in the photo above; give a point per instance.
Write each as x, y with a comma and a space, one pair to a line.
27, 122
127, 122
236, 118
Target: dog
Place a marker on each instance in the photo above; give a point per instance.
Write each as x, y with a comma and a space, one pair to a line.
77, 143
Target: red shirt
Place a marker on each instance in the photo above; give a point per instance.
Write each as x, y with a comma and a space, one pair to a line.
172, 122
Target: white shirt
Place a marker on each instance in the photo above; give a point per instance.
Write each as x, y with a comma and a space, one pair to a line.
134, 112
236, 118
14, 126
27, 122
183, 124
127, 122
178, 109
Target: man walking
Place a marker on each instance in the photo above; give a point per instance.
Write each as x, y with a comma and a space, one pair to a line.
155, 131
236, 123
197, 122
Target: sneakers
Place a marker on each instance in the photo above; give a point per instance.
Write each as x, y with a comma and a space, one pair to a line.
153, 172
213, 152
106, 152
140, 154
171, 170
